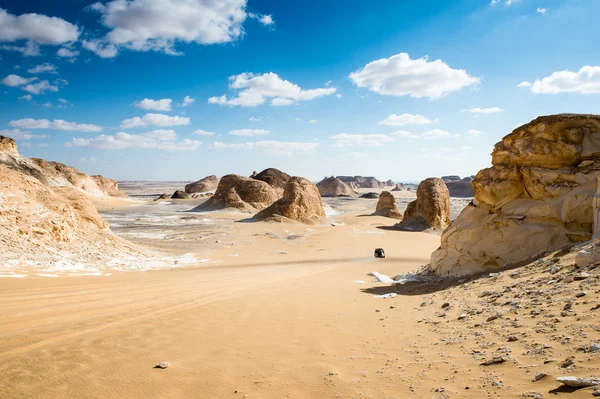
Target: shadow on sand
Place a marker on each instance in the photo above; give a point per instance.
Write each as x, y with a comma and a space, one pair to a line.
411, 288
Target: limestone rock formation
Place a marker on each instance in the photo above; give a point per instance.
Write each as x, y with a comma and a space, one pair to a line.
361, 182
399, 187
180, 195
457, 187
47, 216
56, 174
209, 183
164, 196
8, 146
273, 177
334, 187
386, 206
301, 202
538, 196
242, 193
390, 183
431, 209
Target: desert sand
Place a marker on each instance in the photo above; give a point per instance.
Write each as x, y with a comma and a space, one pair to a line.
275, 310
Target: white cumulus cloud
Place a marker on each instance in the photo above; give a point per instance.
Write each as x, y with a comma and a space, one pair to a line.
158, 120
40, 87
254, 90
158, 25
406, 119
474, 133
584, 81
542, 10
102, 50
155, 105
19, 135
491, 110
26, 97
524, 84
400, 75
157, 139
43, 68
67, 53
37, 28
188, 101
57, 124
13, 80
31, 49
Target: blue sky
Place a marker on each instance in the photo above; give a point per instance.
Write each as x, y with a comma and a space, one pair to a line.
395, 89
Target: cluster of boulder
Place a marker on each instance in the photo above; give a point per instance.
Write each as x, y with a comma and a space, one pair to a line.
429, 211
540, 195
459, 187
271, 194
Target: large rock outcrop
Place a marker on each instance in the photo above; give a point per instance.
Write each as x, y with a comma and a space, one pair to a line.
386, 206
431, 209
301, 202
538, 196
209, 183
399, 187
61, 175
47, 217
273, 177
334, 187
459, 188
242, 193
361, 181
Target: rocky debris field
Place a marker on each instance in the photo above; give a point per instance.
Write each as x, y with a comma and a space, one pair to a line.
533, 331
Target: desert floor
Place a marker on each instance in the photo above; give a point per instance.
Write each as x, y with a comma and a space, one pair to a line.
274, 311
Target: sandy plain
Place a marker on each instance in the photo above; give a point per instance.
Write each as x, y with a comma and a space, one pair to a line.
267, 310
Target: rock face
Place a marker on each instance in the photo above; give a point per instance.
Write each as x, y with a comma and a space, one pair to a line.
390, 183
537, 197
56, 174
242, 193
301, 202
431, 209
334, 187
180, 195
274, 178
209, 183
399, 187
361, 182
386, 206
47, 216
459, 188
8, 146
